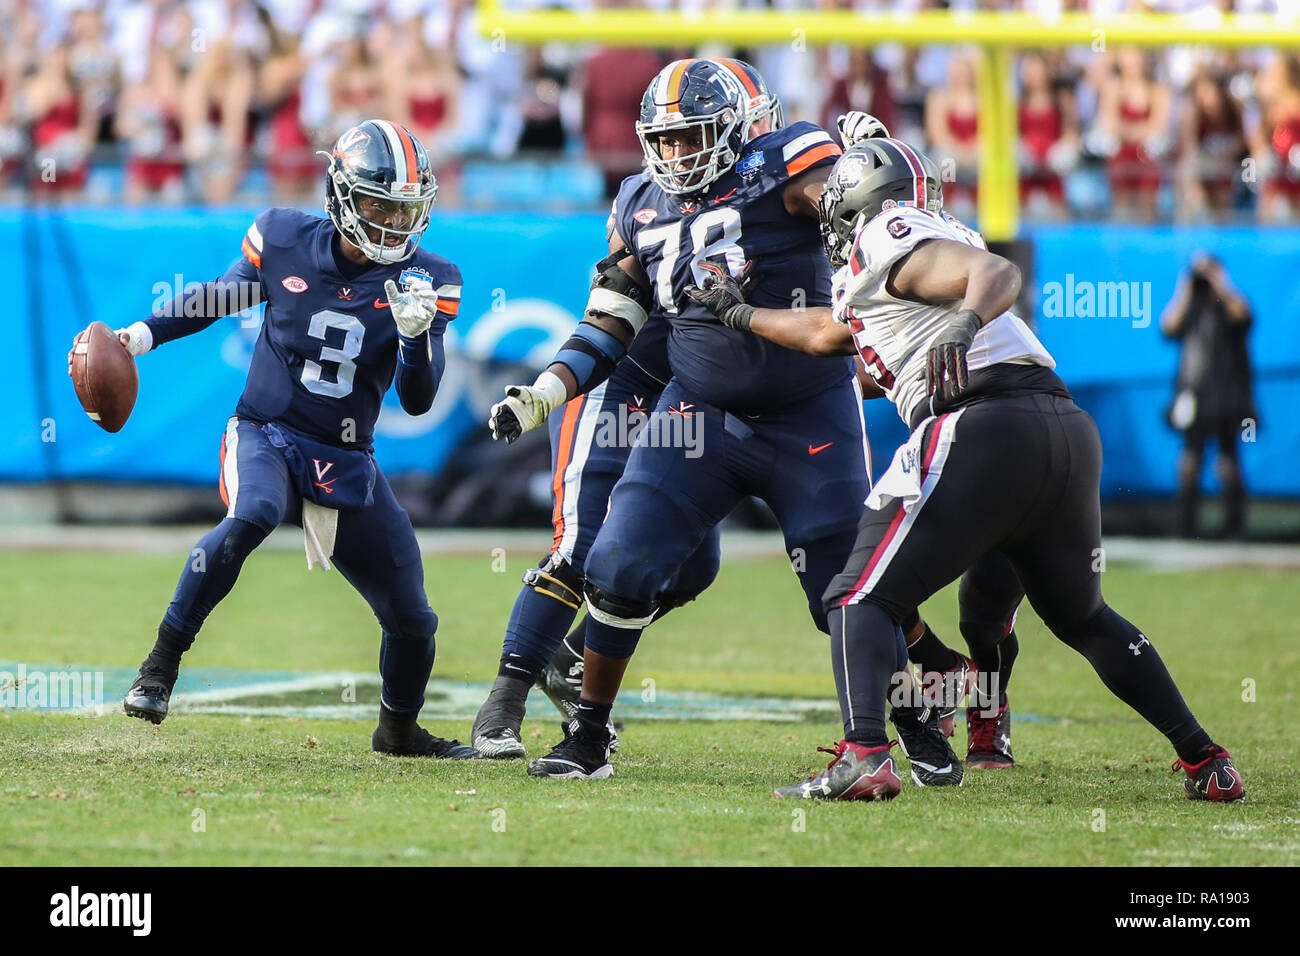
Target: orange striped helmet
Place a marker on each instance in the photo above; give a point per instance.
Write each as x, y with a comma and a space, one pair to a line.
701, 105
380, 190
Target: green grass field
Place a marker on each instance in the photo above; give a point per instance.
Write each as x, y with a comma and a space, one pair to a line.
218, 789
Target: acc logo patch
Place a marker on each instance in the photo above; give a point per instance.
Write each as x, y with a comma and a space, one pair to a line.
644, 216
888, 204
897, 228
414, 272
294, 284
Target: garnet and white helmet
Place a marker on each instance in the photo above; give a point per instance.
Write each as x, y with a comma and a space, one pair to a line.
380, 190
703, 101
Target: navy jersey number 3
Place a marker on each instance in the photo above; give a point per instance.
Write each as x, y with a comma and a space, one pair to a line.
351, 303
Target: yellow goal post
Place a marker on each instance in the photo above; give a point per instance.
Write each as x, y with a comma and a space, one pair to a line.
997, 34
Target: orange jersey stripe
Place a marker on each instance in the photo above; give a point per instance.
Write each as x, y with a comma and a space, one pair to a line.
572, 412
221, 473
251, 254
412, 174
800, 163
450, 306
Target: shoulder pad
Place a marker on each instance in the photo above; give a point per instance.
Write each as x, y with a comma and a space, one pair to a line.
777, 157
890, 236
278, 228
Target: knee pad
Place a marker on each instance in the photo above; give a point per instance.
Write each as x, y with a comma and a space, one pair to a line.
668, 600
557, 579
408, 620
614, 611
236, 540
694, 577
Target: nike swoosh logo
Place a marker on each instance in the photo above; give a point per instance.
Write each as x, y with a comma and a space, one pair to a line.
813, 451
381, 304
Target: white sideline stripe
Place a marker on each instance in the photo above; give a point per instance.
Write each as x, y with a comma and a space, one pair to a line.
230, 467
800, 143
288, 686
946, 437
582, 438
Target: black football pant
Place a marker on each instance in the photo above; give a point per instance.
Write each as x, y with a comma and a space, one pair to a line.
1018, 475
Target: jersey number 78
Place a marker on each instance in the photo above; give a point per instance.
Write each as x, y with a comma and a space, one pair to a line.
708, 235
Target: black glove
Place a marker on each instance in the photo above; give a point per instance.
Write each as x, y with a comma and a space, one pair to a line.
945, 368
722, 295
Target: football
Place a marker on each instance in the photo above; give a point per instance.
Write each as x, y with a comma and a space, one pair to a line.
104, 375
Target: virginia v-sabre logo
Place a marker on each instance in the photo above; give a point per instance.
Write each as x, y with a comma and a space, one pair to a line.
76, 909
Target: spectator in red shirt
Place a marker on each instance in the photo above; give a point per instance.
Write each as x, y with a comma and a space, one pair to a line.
613, 81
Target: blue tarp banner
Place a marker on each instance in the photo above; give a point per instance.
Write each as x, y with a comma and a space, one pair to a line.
526, 281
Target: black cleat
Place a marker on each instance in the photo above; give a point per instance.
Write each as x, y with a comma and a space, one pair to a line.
151, 691
561, 681
921, 737
496, 732
988, 738
582, 755
1214, 778
400, 736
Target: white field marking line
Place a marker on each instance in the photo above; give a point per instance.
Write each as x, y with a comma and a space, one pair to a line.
306, 682
1154, 554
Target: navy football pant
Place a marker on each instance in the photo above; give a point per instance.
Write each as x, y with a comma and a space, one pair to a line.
589, 453
375, 550
1017, 475
808, 462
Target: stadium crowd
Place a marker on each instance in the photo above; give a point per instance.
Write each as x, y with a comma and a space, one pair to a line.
227, 100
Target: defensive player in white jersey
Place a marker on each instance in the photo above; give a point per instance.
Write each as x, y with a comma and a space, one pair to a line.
1000, 459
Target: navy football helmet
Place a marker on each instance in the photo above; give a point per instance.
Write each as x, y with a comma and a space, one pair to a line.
875, 175
763, 103
380, 190
701, 99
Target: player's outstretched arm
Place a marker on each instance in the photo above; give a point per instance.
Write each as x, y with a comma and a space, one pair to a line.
194, 308
942, 270
616, 311
813, 330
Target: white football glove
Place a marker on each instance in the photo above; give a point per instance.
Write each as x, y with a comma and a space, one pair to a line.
526, 407
136, 337
414, 309
857, 127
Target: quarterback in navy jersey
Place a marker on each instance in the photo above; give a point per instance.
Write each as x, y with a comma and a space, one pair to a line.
352, 302
775, 424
